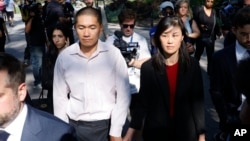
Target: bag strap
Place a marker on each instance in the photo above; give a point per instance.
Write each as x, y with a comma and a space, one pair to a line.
213, 25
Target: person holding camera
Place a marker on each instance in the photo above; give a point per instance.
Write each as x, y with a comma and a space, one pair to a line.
134, 48
35, 30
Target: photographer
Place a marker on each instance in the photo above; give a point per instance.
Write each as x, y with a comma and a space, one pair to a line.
35, 30
137, 44
25, 13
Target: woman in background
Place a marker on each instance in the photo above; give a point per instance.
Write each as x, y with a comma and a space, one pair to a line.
59, 41
184, 11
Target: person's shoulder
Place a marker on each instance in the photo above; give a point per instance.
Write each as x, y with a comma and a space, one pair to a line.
47, 119
49, 124
225, 50
139, 37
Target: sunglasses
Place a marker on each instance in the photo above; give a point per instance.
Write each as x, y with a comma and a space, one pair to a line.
128, 25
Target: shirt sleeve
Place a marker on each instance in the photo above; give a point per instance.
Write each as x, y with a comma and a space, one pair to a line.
60, 92
120, 111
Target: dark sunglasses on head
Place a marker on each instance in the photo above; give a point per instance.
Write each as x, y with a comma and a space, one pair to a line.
128, 25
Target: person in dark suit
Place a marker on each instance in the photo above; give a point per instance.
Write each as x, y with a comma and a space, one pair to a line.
171, 96
21, 121
243, 77
226, 97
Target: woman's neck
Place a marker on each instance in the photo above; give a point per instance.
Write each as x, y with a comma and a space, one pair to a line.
172, 59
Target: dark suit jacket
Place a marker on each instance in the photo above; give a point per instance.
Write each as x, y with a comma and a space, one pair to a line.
42, 126
153, 104
224, 93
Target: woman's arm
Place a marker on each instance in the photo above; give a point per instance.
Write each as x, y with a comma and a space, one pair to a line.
195, 29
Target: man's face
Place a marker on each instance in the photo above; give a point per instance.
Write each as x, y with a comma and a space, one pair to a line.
10, 101
243, 35
88, 30
89, 3
127, 27
246, 2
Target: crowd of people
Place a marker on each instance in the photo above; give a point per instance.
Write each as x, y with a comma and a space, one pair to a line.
121, 87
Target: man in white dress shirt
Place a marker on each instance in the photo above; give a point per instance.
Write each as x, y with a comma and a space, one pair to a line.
91, 85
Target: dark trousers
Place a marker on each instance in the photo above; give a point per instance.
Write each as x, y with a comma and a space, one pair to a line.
27, 49
91, 130
50, 101
200, 46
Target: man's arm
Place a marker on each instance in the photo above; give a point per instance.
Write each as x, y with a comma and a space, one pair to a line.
60, 93
120, 111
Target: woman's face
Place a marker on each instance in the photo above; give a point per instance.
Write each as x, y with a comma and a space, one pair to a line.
171, 40
183, 9
209, 3
59, 39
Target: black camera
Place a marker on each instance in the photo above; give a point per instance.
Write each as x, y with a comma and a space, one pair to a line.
25, 10
128, 50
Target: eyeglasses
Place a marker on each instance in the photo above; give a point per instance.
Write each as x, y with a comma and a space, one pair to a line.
128, 25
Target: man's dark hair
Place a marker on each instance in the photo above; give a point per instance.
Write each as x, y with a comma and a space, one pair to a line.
242, 17
89, 11
126, 14
14, 68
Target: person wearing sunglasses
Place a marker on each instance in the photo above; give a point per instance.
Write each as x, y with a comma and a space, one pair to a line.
127, 21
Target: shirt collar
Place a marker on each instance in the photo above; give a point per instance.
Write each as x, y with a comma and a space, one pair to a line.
16, 127
240, 51
101, 47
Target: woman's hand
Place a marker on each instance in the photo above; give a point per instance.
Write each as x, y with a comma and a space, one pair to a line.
129, 135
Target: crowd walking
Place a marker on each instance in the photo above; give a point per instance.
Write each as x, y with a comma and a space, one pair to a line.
98, 84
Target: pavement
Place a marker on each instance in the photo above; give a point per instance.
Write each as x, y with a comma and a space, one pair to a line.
17, 45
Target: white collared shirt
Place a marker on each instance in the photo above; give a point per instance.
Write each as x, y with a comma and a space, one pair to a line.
15, 129
241, 53
98, 86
